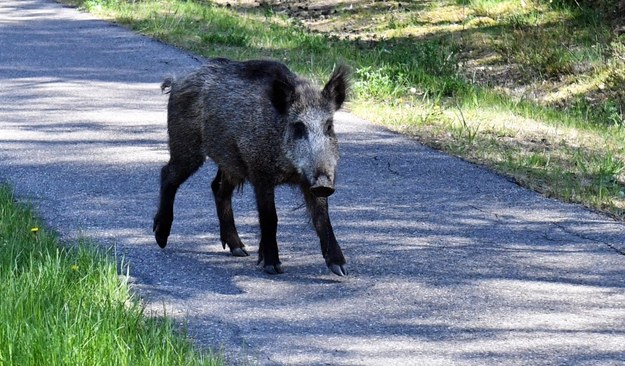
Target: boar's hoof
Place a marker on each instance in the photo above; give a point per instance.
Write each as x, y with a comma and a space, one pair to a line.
161, 240
161, 231
239, 252
338, 269
273, 269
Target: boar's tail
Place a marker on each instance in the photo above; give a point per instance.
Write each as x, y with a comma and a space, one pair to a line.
167, 84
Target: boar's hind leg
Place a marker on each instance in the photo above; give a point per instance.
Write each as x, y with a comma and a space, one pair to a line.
172, 176
268, 248
318, 208
222, 190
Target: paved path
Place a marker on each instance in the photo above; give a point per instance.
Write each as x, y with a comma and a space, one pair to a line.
449, 263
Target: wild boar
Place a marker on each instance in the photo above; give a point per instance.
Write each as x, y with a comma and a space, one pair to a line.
260, 123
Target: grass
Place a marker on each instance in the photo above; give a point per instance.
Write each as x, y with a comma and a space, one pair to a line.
68, 306
533, 89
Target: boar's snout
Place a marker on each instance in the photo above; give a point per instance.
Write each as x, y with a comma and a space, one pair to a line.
323, 186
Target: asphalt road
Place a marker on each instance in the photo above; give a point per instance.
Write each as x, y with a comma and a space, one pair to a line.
449, 263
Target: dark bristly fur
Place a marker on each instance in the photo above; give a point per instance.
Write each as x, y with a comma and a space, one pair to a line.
260, 123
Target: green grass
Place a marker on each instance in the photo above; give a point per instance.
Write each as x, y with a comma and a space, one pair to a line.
68, 306
492, 81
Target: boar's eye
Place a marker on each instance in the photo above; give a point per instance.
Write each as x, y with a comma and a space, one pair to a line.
329, 127
299, 130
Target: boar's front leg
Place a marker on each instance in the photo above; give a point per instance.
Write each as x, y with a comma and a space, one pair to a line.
268, 248
222, 190
332, 253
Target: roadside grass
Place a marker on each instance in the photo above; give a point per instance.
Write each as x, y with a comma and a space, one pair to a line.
532, 89
68, 306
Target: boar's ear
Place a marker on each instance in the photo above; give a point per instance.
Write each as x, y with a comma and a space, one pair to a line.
335, 90
281, 95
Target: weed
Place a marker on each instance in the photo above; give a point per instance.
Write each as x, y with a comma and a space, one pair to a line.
537, 160
468, 131
537, 50
380, 83
615, 82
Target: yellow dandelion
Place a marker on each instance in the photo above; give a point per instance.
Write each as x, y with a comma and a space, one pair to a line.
74, 267
34, 230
